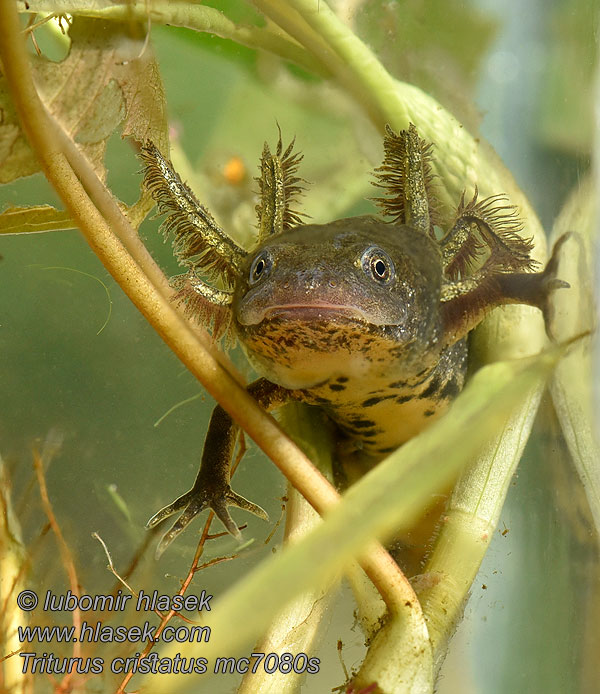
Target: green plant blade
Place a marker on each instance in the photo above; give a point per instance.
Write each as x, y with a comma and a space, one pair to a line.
386, 499
35, 219
575, 315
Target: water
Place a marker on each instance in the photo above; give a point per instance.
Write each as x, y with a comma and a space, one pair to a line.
85, 379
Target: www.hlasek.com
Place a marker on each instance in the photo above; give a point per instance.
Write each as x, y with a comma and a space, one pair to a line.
152, 663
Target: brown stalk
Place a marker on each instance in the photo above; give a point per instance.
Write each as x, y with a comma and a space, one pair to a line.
58, 167
67, 560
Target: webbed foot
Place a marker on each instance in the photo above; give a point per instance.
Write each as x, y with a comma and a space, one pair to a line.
194, 502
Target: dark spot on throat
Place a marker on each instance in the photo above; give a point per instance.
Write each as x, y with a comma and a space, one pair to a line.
398, 384
373, 401
450, 390
431, 389
361, 423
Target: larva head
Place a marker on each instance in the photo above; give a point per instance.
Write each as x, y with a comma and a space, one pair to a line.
342, 297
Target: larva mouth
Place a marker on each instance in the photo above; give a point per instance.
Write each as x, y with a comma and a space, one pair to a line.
313, 311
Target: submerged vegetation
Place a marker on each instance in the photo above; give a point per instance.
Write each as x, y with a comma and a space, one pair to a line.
75, 76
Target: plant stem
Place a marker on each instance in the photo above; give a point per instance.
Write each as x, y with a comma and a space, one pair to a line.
469, 523
575, 314
380, 567
389, 498
461, 161
106, 204
295, 628
200, 18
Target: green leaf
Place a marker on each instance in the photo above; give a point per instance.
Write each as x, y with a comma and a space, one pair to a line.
109, 79
575, 314
470, 519
39, 218
385, 500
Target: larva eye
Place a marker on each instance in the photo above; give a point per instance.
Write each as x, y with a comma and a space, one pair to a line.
260, 268
378, 265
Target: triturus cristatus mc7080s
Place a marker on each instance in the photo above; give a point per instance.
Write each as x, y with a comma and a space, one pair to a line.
363, 317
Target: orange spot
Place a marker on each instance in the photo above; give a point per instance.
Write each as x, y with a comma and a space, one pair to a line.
234, 171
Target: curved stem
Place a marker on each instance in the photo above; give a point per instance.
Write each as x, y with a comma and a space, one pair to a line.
470, 519
318, 43
461, 161
200, 18
106, 204
388, 579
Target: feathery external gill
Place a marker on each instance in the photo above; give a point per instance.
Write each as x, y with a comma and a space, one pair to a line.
279, 188
198, 241
490, 223
209, 306
407, 177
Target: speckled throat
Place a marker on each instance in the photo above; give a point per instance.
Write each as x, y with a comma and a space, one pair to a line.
370, 383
